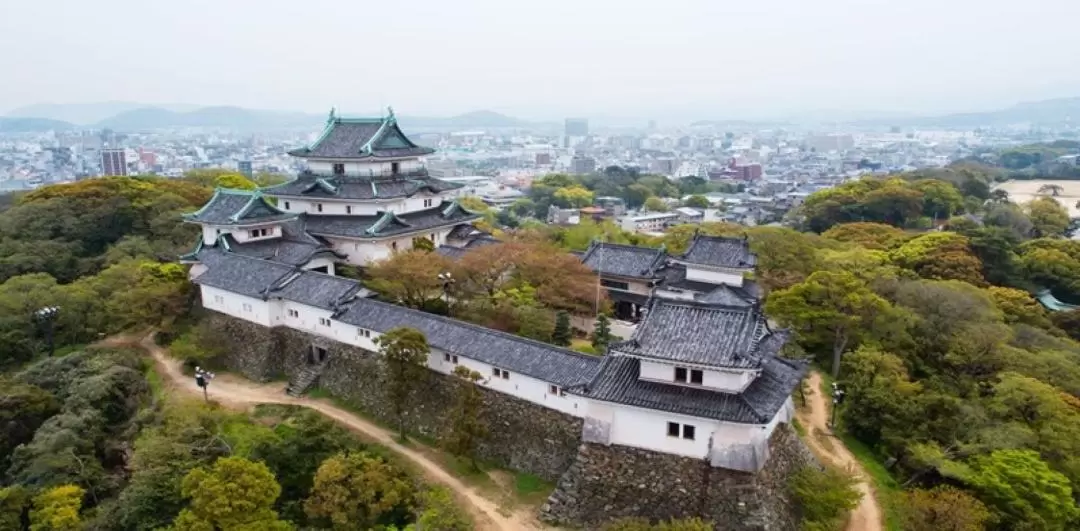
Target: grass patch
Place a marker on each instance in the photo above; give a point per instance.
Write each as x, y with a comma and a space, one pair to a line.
157, 385
531, 489
799, 428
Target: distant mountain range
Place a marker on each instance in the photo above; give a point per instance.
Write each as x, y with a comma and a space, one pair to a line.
134, 117
1044, 112
128, 116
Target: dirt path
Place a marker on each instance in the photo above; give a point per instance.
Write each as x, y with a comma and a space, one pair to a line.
239, 393
815, 418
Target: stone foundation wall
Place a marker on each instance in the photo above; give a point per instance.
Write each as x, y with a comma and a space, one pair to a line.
521, 436
609, 482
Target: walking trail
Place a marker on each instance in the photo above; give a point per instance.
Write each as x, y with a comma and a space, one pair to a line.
238, 393
814, 416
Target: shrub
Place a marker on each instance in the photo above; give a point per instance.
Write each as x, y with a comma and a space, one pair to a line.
824, 497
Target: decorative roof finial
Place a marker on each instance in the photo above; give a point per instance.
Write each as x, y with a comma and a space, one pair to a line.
390, 113
333, 115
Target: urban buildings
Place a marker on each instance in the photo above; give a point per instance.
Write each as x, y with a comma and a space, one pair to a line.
576, 127
113, 162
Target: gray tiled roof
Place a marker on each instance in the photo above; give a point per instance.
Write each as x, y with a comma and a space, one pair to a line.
718, 251
237, 207
360, 187
724, 295
624, 260
346, 138
718, 336
255, 277
545, 362
617, 381
316, 289
240, 274
386, 224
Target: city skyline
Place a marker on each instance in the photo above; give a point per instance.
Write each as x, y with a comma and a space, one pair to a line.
707, 59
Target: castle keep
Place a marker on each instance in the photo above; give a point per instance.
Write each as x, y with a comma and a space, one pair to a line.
687, 416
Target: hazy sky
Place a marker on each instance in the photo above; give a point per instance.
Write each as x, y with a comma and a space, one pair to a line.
543, 59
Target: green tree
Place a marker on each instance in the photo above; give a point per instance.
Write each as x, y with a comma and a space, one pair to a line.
876, 236
940, 199
833, 309
943, 509
697, 201
655, 204
404, 364
359, 491
23, 409
14, 507
562, 335
1023, 491
473, 204
57, 509
466, 429
1048, 217
573, 197
824, 496
233, 494
438, 511
410, 277
420, 243
601, 336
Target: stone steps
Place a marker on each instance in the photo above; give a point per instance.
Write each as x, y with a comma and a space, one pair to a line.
304, 381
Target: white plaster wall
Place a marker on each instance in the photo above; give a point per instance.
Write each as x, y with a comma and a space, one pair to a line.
519, 385
675, 295
321, 262
642, 428
714, 277
233, 304
210, 234
364, 252
727, 381
365, 168
243, 235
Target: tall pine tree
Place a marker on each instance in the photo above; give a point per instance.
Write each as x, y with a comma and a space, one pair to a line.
562, 334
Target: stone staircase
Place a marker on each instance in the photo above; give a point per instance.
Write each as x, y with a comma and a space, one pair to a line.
305, 380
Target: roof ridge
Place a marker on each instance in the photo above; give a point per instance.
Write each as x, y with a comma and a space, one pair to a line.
483, 329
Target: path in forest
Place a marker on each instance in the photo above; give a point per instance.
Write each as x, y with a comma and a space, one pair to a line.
814, 417
239, 393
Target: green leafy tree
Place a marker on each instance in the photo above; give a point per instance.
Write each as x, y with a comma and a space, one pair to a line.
875, 236
1023, 491
14, 507
601, 336
573, 197
643, 524
404, 364
829, 309
655, 204
824, 496
562, 335
466, 430
233, 494
23, 409
1048, 217
421, 243
439, 511
473, 204
697, 201
944, 509
359, 491
409, 277
57, 509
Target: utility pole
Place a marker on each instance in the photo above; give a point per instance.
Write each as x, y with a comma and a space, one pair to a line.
202, 379
46, 316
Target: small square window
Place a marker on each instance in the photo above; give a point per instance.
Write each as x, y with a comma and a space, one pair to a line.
696, 376
453, 359
362, 332
553, 389
286, 205
680, 374
673, 429
446, 357
496, 371
318, 207
506, 375
293, 313
339, 169
324, 321
247, 307
348, 209
688, 432
219, 299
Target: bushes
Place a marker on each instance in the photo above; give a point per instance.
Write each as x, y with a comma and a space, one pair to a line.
824, 497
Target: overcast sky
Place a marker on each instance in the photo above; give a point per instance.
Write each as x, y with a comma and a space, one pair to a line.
543, 59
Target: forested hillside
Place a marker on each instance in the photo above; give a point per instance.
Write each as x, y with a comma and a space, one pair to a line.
89, 443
